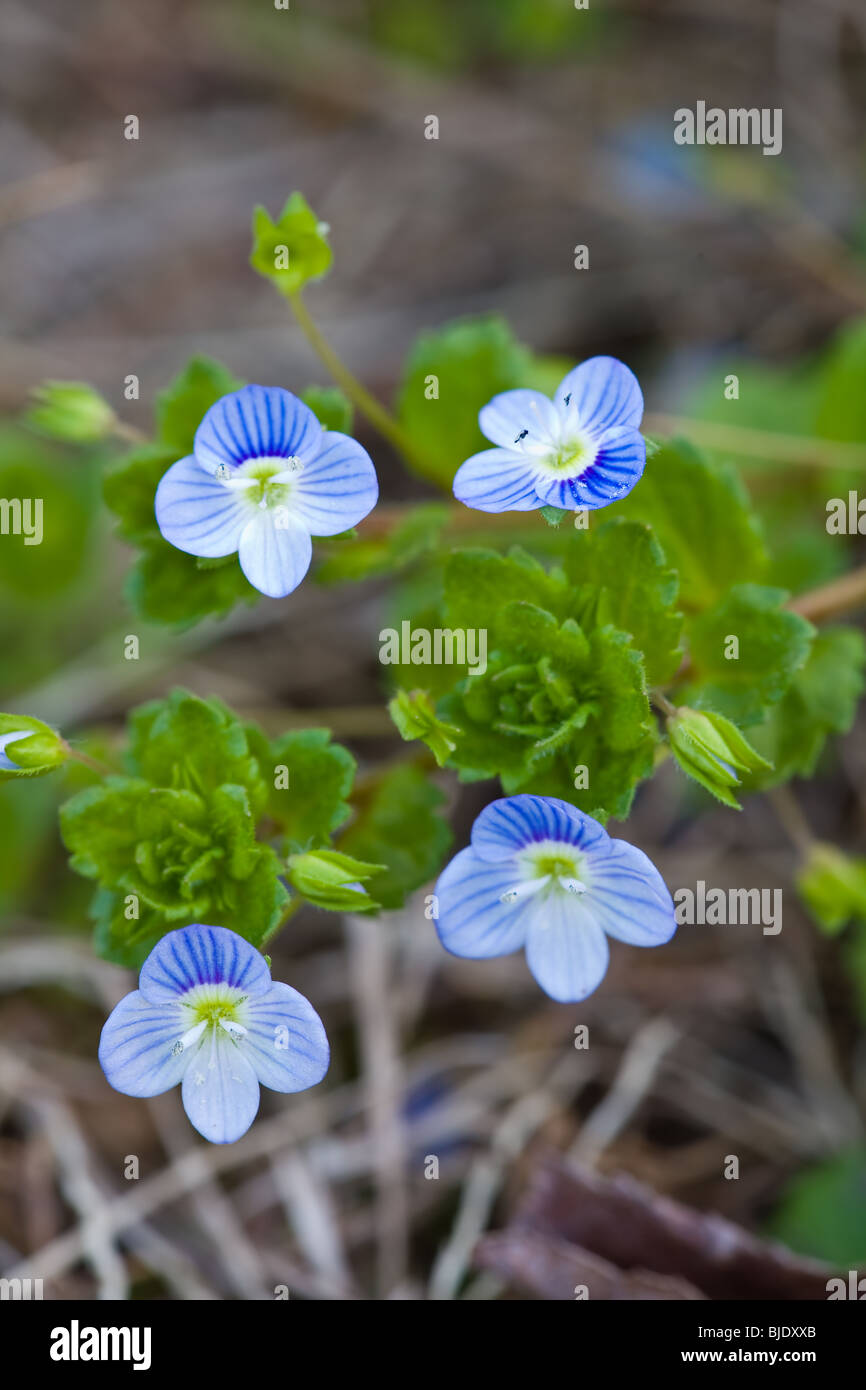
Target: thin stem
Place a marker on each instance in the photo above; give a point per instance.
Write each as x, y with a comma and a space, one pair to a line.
661, 702
130, 433
85, 759
763, 444
790, 814
833, 599
374, 411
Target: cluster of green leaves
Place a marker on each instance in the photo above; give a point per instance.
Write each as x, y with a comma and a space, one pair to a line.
575, 651
214, 822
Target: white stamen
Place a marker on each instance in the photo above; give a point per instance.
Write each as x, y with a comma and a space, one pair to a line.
188, 1038
524, 889
572, 885
234, 1030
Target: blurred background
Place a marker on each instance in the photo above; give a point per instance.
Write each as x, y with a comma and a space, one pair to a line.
123, 257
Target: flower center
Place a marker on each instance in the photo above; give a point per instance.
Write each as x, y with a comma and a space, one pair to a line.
571, 458
547, 867
267, 482
210, 1006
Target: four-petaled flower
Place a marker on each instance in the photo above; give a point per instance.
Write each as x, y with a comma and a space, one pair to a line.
541, 874
208, 1015
263, 478
581, 450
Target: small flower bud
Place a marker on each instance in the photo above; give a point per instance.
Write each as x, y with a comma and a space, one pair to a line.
333, 880
28, 748
833, 886
709, 748
70, 411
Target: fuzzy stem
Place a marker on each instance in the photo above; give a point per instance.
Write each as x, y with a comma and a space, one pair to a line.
374, 411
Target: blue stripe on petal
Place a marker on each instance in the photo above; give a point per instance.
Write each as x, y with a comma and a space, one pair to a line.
497, 480
628, 897
286, 1041
511, 823
220, 1089
275, 551
196, 513
135, 1050
566, 950
199, 955
337, 489
472, 921
256, 422
602, 393
505, 418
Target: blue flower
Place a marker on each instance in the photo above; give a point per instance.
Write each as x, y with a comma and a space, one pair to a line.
207, 1014
542, 875
263, 478
581, 450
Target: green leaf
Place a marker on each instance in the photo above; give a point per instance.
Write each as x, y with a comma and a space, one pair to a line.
701, 516
449, 375
182, 405
398, 825
479, 583
553, 515
130, 488
841, 408
319, 776
70, 411
184, 741
823, 1211
625, 581
833, 887
415, 536
331, 408
772, 645
821, 700
415, 717
293, 250
169, 586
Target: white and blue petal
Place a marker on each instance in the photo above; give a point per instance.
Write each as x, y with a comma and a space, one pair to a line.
6, 762
515, 418
202, 955
498, 480
220, 1088
513, 822
618, 464
285, 1041
472, 919
197, 513
337, 488
275, 551
628, 897
256, 422
566, 949
598, 395
137, 1049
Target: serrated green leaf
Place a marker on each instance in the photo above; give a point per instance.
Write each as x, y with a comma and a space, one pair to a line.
293, 250
415, 718
168, 586
625, 581
182, 405
130, 488
449, 375
186, 742
332, 409
701, 516
319, 775
479, 583
772, 645
821, 700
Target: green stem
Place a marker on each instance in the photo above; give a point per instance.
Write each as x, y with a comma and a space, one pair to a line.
102, 769
374, 411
